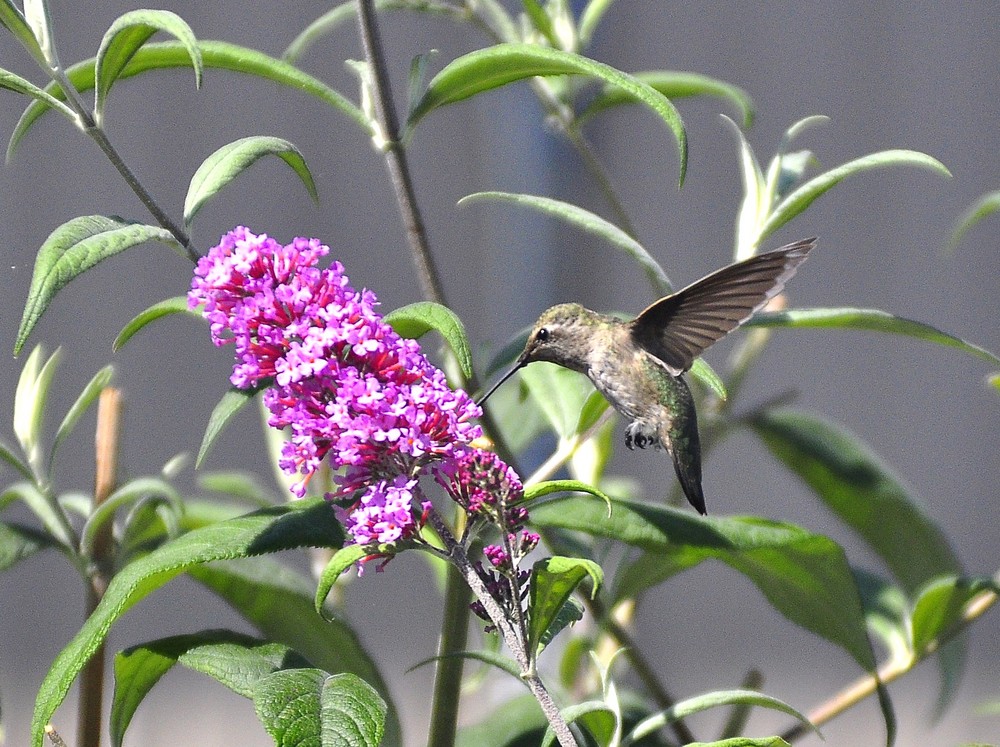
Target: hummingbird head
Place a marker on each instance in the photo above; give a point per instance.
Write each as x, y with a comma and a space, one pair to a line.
563, 335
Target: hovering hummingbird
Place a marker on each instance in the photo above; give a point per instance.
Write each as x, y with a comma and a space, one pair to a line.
639, 365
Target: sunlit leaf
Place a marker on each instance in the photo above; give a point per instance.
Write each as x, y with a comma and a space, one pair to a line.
44, 99
492, 67
417, 319
691, 706
310, 707
589, 222
805, 195
980, 209
288, 527
805, 576
126, 35
215, 54
72, 249
753, 207
675, 84
231, 160
13, 20
231, 403
175, 305
591, 17
871, 320
940, 606
344, 558
553, 581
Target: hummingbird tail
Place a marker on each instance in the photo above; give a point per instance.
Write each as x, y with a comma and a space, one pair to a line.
691, 484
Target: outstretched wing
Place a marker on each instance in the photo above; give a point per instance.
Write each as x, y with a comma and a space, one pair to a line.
680, 327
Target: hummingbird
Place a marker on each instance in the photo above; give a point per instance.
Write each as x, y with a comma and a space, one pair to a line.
639, 365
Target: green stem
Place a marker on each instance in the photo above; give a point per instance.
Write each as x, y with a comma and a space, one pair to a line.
97, 133
448, 678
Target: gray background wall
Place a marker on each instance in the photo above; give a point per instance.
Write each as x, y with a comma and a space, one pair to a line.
892, 74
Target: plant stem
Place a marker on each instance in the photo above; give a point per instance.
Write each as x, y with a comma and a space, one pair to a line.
448, 679
890, 671
395, 155
109, 415
514, 641
97, 133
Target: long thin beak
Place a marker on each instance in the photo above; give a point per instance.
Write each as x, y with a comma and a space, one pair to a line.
514, 369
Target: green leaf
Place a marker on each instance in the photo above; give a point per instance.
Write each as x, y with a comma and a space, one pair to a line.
700, 703
553, 581
346, 12
46, 509
539, 489
126, 35
215, 54
231, 160
591, 17
940, 605
871, 320
74, 248
518, 721
862, 491
309, 707
980, 209
559, 393
30, 397
417, 319
707, 376
231, 403
674, 84
233, 659
13, 20
301, 524
18, 543
805, 576
39, 19
804, 196
492, 67
343, 559
166, 307
43, 98
589, 222
743, 742
7, 454
87, 397
131, 492
887, 612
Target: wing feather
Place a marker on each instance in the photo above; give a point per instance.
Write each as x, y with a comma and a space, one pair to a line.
678, 328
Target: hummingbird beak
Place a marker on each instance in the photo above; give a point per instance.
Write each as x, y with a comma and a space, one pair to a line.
518, 365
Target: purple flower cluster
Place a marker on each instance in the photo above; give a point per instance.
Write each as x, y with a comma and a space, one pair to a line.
345, 384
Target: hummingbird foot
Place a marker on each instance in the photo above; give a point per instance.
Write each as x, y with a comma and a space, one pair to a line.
637, 436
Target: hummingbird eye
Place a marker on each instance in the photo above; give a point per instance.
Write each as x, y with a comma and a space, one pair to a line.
543, 335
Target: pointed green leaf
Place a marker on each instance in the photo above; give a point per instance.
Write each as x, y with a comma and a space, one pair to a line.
124, 38
862, 491
591, 17
13, 20
589, 222
8, 455
39, 19
541, 21
131, 492
46, 509
417, 319
553, 581
559, 393
18, 543
215, 54
492, 67
44, 98
805, 576
754, 206
980, 209
691, 706
30, 397
87, 397
539, 489
345, 13
231, 160
233, 659
309, 707
343, 559
231, 403
804, 196
308, 523
871, 320
940, 605
278, 601
707, 376
675, 84
74, 248
166, 307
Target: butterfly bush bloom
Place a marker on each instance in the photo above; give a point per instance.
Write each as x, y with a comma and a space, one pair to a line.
348, 388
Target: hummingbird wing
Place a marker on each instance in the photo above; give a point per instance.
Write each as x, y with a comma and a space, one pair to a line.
678, 328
